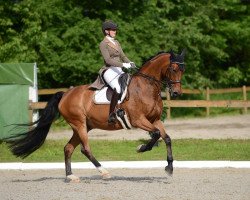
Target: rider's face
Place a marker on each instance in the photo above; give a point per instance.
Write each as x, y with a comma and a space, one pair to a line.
112, 33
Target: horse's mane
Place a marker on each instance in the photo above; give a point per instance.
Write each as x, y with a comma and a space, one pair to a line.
151, 57
174, 57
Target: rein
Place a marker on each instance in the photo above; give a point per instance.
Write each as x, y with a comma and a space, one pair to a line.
168, 82
149, 77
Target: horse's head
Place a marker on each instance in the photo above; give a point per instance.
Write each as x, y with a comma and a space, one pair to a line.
165, 67
174, 73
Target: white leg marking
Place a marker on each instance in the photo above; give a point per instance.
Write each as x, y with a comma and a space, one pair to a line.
72, 179
104, 173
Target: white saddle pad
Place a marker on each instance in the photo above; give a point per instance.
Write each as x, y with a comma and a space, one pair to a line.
101, 98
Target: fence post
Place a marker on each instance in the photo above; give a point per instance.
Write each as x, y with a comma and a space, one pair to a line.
244, 90
207, 98
30, 111
168, 107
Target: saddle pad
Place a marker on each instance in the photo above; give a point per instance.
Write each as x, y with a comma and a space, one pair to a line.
100, 96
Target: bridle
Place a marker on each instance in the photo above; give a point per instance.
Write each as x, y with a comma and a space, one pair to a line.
181, 67
168, 82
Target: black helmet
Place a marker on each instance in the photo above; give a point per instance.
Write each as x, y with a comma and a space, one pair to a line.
109, 25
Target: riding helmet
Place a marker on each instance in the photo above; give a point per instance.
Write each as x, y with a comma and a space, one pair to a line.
109, 25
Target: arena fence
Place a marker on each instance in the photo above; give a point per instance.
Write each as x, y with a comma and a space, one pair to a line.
168, 103
243, 103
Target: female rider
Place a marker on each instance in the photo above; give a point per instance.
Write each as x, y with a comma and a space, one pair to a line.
114, 61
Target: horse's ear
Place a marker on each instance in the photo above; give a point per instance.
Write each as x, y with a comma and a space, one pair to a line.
172, 55
183, 53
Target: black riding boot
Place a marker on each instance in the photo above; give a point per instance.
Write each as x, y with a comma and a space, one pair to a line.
114, 101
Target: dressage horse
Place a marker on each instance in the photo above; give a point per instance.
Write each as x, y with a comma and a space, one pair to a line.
143, 106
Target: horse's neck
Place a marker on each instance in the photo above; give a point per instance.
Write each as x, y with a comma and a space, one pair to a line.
148, 80
150, 76
142, 88
152, 72
155, 68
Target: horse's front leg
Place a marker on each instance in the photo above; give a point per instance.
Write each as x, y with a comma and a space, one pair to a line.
169, 167
155, 135
167, 140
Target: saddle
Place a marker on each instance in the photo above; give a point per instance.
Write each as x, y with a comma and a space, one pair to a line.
104, 95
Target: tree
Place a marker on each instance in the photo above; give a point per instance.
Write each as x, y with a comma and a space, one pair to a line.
63, 37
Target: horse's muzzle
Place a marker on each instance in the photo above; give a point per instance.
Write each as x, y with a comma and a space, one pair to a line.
175, 94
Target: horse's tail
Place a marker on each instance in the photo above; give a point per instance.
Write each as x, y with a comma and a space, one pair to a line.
23, 144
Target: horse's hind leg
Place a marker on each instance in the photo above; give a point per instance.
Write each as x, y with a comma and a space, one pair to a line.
85, 149
81, 130
68, 151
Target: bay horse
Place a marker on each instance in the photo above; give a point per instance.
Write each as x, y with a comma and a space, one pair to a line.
143, 106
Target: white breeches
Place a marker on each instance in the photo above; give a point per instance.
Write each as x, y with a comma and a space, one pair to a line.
111, 77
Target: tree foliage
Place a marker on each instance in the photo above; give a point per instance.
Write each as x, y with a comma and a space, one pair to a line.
63, 37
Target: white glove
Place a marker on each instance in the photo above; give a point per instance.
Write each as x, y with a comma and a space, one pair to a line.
133, 64
126, 65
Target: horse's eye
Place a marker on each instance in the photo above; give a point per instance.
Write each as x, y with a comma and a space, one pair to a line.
176, 68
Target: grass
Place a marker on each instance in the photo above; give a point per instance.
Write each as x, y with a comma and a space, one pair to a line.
183, 149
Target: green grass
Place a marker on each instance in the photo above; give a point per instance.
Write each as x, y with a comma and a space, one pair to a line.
183, 149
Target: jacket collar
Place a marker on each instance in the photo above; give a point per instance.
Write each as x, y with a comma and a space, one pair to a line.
111, 44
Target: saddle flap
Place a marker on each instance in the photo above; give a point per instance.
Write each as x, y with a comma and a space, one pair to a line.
104, 95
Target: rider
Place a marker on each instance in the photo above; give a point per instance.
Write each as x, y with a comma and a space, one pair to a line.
114, 60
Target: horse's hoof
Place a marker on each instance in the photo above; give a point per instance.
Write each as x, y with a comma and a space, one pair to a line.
106, 176
141, 148
104, 173
169, 170
72, 179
